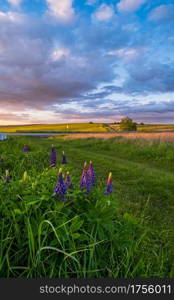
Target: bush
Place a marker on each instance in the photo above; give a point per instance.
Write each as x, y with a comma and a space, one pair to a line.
127, 124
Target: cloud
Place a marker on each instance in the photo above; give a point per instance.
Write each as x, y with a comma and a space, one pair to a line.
104, 12
11, 17
150, 78
15, 2
128, 54
162, 13
130, 5
59, 53
61, 10
92, 2
41, 66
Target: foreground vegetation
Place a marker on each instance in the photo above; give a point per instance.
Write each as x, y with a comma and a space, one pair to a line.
128, 233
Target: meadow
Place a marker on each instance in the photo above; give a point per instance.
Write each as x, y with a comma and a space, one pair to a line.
127, 233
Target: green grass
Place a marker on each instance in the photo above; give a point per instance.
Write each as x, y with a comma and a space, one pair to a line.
126, 234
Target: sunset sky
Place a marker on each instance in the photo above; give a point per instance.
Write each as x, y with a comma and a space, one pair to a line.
86, 60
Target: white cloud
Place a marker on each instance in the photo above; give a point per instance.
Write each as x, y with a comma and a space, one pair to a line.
59, 53
127, 54
130, 5
61, 9
91, 2
162, 12
15, 2
11, 16
104, 12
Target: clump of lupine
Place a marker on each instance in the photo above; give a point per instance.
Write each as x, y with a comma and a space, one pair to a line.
53, 156
68, 181
109, 184
92, 174
26, 148
64, 160
60, 188
85, 182
7, 177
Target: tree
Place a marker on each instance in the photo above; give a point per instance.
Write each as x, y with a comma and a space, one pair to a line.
127, 124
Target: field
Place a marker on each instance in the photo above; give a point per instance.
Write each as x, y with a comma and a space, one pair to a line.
151, 136
147, 127
84, 127
128, 233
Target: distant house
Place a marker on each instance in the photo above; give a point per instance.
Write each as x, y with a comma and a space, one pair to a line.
3, 136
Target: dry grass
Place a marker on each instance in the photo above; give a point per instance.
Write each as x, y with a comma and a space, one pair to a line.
164, 136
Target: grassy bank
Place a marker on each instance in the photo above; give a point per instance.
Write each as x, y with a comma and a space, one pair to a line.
126, 234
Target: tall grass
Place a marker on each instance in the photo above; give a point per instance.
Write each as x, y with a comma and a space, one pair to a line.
126, 234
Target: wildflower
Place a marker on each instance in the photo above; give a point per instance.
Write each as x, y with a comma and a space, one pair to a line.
26, 148
60, 188
109, 184
64, 160
53, 157
7, 177
68, 181
85, 179
92, 174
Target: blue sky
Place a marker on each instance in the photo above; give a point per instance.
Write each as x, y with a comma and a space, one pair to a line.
86, 60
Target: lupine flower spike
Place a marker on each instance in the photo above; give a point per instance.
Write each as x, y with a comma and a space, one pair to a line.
92, 174
7, 177
53, 157
60, 188
85, 179
68, 181
109, 184
64, 160
26, 148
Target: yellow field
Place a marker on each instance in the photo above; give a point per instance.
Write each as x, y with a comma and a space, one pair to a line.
81, 127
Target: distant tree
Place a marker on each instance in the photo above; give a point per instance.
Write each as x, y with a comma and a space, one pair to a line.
127, 124
91, 122
141, 123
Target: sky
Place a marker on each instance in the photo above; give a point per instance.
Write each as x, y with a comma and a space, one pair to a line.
86, 60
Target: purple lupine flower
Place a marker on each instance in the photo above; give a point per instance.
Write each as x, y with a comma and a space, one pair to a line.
92, 174
64, 160
26, 148
53, 157
109, 184
85, 179
7, 177
60, 188
68, 181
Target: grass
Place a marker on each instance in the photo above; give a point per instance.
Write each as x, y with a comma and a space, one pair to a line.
126, 234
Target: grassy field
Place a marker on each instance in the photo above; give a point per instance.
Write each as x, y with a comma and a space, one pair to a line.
128, 233
147, 127
84, 127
